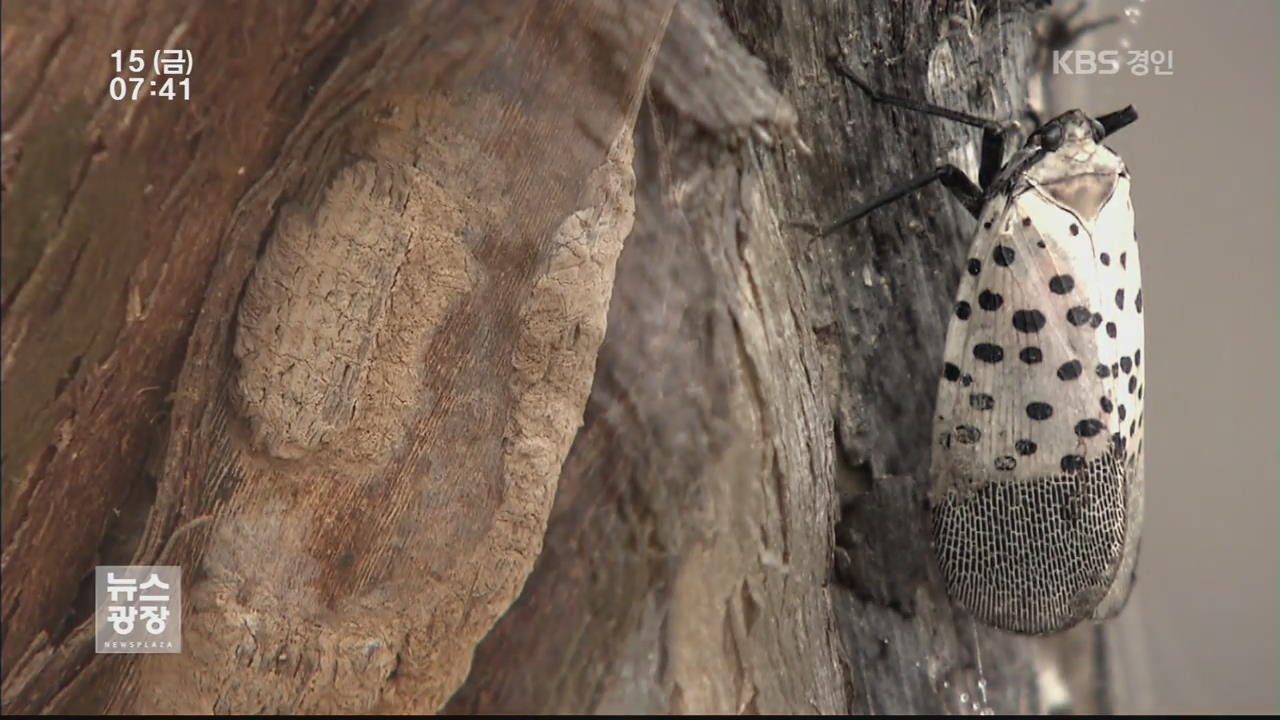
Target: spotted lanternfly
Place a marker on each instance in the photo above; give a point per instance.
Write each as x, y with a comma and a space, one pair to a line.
1036, 473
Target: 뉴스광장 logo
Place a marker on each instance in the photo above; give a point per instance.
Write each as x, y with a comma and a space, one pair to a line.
138, 609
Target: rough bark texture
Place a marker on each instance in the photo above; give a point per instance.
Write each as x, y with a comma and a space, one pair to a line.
752, 375
324, 336
348, 299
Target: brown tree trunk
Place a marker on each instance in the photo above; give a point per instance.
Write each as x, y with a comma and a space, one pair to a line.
332, 337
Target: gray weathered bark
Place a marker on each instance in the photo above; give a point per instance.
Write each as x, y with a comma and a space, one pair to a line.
325, 336
750, 371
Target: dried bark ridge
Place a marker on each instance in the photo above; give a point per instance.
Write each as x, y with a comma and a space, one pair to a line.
690, 540
561, 324
379, 645
551, 362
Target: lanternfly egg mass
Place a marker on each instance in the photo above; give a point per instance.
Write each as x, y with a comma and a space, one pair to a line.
1036, 480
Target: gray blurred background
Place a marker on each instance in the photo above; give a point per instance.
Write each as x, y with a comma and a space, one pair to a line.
1204, 159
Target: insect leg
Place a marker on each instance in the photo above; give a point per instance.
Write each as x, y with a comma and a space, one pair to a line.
992, 156
951, 177
993, 133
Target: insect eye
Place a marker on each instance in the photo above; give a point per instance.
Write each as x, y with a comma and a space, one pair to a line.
1051, 138
1099, 132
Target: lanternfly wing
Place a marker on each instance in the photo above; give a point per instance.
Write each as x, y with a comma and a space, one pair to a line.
1036, 464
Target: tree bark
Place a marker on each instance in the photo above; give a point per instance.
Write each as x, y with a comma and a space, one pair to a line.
332, 337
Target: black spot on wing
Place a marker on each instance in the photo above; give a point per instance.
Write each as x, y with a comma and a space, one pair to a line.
988, 352
1028, 321
951, 372
990, 301
1039, 410
1089, 427
1071, 463
981, 401
1003, 255
1069, 370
